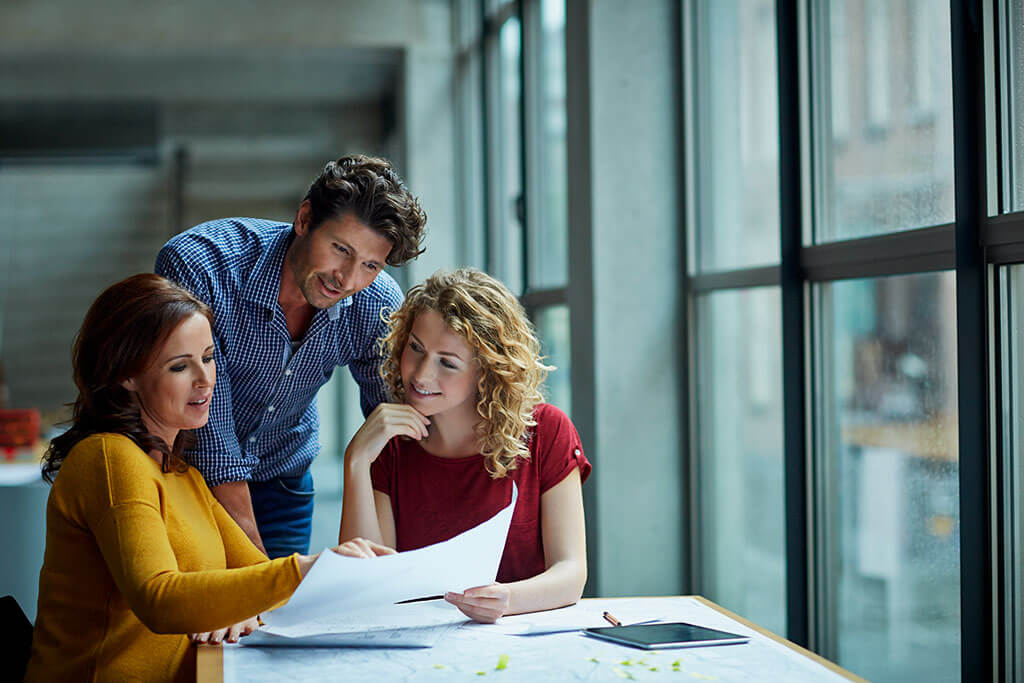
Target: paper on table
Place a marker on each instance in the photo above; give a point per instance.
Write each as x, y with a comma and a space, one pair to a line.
415, 625
345, 585
573, 618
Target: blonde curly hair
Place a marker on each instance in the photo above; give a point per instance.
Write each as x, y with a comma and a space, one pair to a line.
488, 316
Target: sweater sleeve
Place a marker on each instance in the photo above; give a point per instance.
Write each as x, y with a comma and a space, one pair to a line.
239, 550
133, 540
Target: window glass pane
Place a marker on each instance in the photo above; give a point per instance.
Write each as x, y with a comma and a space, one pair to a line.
891, 486
549, 262
742, 548
1012, 476
553, 330
886, 117
737, 179
510, 230
1016, 96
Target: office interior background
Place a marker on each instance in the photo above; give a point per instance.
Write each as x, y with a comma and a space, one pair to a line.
772, 246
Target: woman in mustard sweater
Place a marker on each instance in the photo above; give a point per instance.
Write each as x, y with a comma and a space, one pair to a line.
139, 554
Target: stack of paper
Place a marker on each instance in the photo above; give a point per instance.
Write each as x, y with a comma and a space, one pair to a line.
351, 601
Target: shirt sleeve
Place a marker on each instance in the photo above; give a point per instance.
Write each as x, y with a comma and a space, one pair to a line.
216, 453
373, 327
382, 469
123, 514
558, 448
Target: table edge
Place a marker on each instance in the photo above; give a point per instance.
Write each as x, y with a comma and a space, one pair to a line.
828, 664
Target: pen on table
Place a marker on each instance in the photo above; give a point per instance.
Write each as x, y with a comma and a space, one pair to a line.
610, 619
423, 599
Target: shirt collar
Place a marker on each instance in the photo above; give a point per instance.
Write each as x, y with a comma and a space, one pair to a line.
264, 284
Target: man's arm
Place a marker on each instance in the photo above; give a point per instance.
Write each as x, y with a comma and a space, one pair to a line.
236, 499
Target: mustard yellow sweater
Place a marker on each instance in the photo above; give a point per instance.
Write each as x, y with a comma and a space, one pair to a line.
136, 559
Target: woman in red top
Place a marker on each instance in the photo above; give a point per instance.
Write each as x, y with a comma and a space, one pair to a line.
464, 368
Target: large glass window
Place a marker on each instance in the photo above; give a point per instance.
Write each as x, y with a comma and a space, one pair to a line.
1015, 74
549, 262
1011, 473
741, 490
890, 535
510, 213
737, 176
553, 330
887, 142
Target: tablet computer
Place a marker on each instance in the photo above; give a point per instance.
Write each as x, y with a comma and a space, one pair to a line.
658, 636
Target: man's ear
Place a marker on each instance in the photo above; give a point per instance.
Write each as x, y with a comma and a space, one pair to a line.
302, 216
129, 384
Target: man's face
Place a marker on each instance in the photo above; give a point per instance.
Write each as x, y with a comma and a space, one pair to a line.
337, 259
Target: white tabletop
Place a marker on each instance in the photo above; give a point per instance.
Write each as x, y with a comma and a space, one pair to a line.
471, 652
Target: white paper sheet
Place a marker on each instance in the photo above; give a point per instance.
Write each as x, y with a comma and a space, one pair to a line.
573, 618
366, 589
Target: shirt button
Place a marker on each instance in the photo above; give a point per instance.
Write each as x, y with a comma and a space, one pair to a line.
576, 452
252, 439
270, 409
287, 373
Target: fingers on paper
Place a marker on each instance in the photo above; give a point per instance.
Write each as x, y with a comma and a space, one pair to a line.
361, 547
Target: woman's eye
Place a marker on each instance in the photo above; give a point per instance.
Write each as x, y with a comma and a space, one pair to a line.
415, 347
178, 368
448, 364
208, 359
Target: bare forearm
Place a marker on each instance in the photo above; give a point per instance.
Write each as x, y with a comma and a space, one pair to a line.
358, 512
237, 500
560, 585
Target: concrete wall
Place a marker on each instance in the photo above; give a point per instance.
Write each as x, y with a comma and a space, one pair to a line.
625, 289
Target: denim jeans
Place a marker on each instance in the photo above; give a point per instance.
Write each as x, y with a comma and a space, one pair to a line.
284, 513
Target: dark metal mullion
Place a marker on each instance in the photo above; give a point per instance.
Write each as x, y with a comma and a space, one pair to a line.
793, 320
976, 572
743, 278
524, 143
543, 298
487, 125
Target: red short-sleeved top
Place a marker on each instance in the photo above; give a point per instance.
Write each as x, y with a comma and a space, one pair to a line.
434, 499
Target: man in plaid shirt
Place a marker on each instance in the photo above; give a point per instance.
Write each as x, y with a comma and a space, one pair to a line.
291, 303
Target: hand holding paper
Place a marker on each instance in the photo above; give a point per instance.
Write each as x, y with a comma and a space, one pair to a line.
351, 586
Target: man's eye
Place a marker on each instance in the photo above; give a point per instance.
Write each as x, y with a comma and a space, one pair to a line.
340, 248
372, 267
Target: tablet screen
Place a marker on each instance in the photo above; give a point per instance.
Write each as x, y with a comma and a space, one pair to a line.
656, 636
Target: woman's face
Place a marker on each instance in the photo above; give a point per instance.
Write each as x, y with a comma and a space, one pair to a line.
439, 368
174, 389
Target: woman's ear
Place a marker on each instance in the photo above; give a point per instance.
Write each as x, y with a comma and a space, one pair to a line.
129, 384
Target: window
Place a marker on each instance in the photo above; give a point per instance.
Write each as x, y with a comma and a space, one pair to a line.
883, 167
739, 399
737, 148
890, 518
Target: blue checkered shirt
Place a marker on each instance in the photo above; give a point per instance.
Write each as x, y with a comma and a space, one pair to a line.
263, 416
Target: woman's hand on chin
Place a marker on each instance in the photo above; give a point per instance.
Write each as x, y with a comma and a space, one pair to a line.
385, 422
483, 603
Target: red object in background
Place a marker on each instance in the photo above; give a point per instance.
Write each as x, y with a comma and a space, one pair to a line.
19, 428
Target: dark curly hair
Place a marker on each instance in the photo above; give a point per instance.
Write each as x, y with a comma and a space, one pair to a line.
124, 327
370, 189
